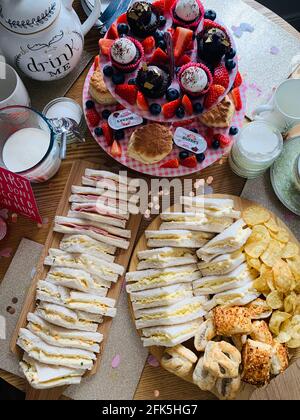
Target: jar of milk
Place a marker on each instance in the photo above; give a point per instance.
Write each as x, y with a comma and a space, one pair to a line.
28, 144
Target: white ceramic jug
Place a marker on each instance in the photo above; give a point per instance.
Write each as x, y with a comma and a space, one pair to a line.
43, 38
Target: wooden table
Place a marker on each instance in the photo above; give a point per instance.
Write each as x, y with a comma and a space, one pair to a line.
48, 196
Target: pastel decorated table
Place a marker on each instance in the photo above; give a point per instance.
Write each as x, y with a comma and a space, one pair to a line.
167, 386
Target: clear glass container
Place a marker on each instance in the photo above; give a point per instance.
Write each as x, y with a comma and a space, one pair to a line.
28, 144
256, 148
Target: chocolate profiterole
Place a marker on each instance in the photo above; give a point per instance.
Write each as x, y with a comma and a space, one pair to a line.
142, 19
213, 44
152, 81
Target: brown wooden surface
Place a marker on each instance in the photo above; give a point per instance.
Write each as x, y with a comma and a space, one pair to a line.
49, 194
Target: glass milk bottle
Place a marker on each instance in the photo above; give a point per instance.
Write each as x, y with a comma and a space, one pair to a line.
257, 146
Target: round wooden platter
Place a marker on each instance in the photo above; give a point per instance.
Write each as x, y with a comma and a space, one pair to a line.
239, 204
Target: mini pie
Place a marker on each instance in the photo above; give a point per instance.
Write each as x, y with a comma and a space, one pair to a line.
99, 91
150, 143
256, 361
179, 360
220, 116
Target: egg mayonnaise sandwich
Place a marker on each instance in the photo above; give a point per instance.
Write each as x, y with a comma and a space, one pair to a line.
169, 336
151, 279
176, 238
231, 240
222, 264
91, 304
214, 207
43, 376
83, 244
194, 222
179, 313
61, 337
165, 257
52, 355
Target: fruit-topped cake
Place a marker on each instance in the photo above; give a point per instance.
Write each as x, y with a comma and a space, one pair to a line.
152, 81
187, 13
213, 44
195, 79
126, 54
143, 19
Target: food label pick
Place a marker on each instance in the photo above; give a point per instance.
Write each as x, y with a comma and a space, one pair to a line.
190, 141
124, 119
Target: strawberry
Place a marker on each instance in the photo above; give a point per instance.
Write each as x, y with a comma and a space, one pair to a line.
169, 109
184, 123
209, 136
172, 163
213, 94
105, 46
181, 61
107, 133
113, 32
187, 104
182, 40
127, 92
116, 150
142, 102
96, 62
159, 57
236, 96
93, 117
149, 44
120, 107
238, 80
159, 5
221, 76
190, 162
223, 140
208, 24
122, 18
168, 5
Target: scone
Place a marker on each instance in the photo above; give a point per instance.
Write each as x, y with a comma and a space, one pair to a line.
150, 143
99, 91
219, 116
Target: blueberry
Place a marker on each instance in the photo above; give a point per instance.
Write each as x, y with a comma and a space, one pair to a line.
118, 78
233, 131
162, 21
162, 44
177, 69
183, 155
155, 109
123, 29
231, 54
119, 134
200, 157
159, 36
105, 114
194, 130
180, 112
230, 64
215, 144
210, 14
132, 81
108, 71
172, 94
98, 131
90, 104
198, 108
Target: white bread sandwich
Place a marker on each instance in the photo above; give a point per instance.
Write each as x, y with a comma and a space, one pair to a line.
95, 213
42, 376
179, 313
92, 265
109, 181
60, 337
49, 292
214, 207
91, 304
231, 240
64, 317
161, 296
52, 355
176, 238
82, 244
195, 222
211, 285
110, 235
169, 336
151, 279
85, 316
222, 264
119, 199
165, 257
77, 279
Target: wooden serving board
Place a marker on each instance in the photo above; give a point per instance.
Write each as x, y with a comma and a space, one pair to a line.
239, 204
53, 240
